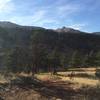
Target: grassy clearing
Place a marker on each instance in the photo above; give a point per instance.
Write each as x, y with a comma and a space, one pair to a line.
83, 76
83, 86
78, 82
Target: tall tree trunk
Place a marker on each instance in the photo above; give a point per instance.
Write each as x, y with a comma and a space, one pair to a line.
54, 71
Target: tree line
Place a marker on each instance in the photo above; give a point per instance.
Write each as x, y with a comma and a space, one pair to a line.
43, 54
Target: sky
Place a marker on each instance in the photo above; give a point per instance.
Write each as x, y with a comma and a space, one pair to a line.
78, 14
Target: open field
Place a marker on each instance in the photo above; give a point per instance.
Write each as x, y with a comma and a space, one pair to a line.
82, 76
84, 85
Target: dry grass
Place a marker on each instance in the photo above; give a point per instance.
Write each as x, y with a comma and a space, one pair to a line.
80, 87
2, 79
78, 79
64, 76
84, 69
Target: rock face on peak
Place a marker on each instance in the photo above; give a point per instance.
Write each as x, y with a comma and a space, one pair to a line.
65, 29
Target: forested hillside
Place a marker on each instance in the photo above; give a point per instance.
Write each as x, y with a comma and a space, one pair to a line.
35, 49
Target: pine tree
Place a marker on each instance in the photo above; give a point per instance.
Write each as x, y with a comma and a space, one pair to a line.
76, 59
54, 60
64, 59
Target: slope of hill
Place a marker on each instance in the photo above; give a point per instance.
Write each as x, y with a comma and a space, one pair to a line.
96, 33
67, 40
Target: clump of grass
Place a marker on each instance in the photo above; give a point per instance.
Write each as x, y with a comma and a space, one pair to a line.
55, 77
2, 79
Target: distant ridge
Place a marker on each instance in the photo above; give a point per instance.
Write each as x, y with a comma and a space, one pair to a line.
7, 24
96, 33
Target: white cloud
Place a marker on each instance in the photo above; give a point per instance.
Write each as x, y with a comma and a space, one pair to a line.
39, 18
39, 15
6, 6
22, 20
77, 26
68, 9
47, 21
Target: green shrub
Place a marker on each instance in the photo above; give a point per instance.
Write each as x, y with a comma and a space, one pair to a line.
97, 74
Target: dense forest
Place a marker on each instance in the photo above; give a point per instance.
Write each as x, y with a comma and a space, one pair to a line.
34, 49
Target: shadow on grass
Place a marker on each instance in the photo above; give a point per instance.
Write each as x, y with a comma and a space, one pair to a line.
46, 89
54, 89
91, 93
78, 70
80, 75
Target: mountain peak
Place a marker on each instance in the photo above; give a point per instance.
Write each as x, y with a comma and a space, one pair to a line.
67, 29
